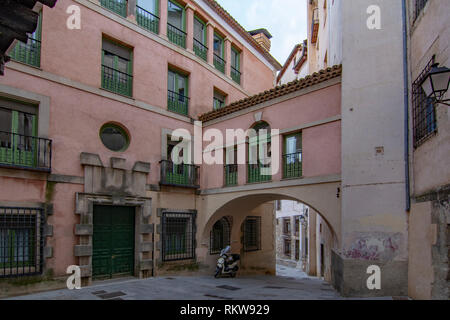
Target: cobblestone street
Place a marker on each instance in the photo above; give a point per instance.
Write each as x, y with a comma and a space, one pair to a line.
289, 284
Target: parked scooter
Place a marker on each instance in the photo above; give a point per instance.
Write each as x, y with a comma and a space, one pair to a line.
227, 263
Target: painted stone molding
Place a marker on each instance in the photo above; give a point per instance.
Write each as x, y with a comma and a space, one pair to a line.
113, 186
115, 180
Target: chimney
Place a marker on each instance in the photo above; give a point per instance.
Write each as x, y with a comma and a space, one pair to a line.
262, 36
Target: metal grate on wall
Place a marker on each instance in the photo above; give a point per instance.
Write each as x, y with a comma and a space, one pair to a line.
252, 234
220, 236
424, 113
419, 5
178, 236
21, 241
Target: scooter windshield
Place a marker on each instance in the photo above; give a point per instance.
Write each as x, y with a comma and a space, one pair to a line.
225, 251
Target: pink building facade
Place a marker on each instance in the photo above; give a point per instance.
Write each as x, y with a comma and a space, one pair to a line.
85, 157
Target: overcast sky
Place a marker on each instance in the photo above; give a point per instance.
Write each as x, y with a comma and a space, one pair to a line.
284, 19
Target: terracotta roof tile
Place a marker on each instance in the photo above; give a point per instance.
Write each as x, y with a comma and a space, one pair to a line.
310, 80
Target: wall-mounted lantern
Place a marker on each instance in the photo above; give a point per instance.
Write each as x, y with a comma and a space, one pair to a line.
436, 83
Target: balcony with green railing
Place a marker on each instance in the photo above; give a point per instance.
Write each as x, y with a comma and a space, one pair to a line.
176, 36
25, 152
147, 20
236, 75
181, 175
117, 81
230, 175
292, 165
177, 103
28, 53
116, 6
219, 63
256, 174
200, 50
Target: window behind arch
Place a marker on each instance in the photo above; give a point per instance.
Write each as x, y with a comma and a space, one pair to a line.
220, 236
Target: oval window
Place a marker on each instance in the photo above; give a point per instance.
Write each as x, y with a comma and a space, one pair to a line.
114, 137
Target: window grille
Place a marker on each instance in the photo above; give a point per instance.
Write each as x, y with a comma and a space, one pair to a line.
252, 234
21, 241
220, 236
178, 236
419, 5
424, 113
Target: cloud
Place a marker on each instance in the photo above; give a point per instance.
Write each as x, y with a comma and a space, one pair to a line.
285, 20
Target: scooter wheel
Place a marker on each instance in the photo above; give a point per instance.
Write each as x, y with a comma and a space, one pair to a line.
217, 274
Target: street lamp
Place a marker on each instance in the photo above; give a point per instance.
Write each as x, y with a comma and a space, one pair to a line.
436, 83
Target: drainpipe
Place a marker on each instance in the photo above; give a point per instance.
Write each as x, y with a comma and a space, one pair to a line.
406, 104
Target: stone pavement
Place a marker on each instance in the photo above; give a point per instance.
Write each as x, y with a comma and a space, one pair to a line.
289, 284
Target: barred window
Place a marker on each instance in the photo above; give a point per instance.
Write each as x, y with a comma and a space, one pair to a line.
297, 249
220, 235
287, 247
178, 236
424, 113
252, 234
419, 5
21, 241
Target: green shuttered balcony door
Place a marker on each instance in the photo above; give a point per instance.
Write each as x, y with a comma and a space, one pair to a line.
18, 146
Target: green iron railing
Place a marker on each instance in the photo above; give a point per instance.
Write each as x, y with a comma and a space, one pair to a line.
147, 20
292, 165
184, 175
116, 6
177, 103
29, 53
235, 75
255, 174
21, 151
231, 175
200, 50
219, 63
176, 35
117, 81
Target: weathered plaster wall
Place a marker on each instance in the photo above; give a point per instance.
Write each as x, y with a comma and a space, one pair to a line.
374, 221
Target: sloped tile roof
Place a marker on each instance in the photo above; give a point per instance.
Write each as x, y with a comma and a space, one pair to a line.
308, 81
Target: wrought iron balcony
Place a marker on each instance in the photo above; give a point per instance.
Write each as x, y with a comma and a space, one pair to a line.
200, 50
116, 6
29, 53
27, 152
235, 75
117, 81
177, 103
292, 165
231, 175
219, 63
176, 35
181, 175
147, 20
254, 173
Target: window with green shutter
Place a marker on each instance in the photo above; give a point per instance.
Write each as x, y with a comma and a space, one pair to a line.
218, 100
200, 48
292, 157
147, 15
176, 23
235, 65
29, 52
177, 94
117, 68
18, 145
219, 62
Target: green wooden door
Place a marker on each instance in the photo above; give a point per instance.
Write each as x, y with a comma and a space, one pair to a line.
113, 241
